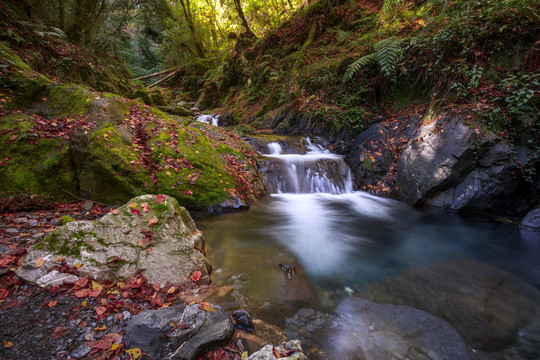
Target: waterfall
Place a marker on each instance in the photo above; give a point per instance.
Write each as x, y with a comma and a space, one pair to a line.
208, 119
317, 170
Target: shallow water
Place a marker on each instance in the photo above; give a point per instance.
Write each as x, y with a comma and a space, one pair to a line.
336, 241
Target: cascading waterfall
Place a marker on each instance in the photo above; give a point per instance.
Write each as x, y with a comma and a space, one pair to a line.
308, 185
208, 119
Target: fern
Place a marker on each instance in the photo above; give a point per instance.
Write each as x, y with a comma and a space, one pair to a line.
387, 53
355, 66
342, 35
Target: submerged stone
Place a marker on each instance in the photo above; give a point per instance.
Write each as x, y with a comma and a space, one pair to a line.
158, 239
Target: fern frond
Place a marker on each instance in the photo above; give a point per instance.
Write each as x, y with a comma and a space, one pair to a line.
387, 53
355, 66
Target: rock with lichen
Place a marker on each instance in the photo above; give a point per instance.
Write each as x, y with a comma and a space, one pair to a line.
151, 234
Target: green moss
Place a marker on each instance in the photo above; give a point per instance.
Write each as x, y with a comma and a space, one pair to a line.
66, 219
143, 95
67, 100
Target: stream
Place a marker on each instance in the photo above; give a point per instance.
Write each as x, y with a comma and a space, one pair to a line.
314, 241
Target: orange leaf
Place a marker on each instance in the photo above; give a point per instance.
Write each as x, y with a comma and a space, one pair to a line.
206, 307
153, 221
133, 205
100, 310
52, 303
160, 198
101, 328
114, 211
8, 344
40, 262
276, 353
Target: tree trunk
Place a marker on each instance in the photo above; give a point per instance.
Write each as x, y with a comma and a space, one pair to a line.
62, 18
243, 18
186, 8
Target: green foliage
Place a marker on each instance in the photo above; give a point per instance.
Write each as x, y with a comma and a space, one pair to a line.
386, 54
519, 97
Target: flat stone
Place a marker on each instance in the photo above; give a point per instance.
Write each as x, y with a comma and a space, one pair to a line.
12, 231
80, 352
532, 220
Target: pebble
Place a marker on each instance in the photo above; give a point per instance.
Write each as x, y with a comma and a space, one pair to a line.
89, 337
32, 223
37, 235
80, 352
126, 314
20, 220
12, 231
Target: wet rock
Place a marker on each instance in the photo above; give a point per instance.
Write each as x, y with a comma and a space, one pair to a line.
117, 246
361, 329
243, 320
80, 352
32, 223
488, 306
12, 231
179, 331
532, 220
290, 350
20, 220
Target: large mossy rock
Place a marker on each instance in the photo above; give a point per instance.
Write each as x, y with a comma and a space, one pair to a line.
157, 238
107, 148
493, 310
179, 332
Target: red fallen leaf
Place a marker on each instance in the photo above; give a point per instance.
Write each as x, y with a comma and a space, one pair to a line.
81, 282
276, 353
196, 275
58, 332
94, 292
187, 192
153, 221
50, 304
100, 310
4, 293
156, 286
105, 343
81, 293
5, 261
135, 211
160, 198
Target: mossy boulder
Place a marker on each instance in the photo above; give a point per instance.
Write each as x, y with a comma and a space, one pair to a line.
151, 234
143, 95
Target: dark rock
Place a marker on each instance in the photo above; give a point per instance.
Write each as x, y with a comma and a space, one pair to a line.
532, 220
488, 306
178, 332
290, 350
80, 352
361, 329
243, 320
32, 223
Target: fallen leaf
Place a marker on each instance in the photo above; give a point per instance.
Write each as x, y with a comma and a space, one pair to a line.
196, 275
81, 293
58, 259
206, 307
103, 301
4, 293
84, 303
115, 211
135, 353
156, 286
160, 198
78, 265
145, 207
135, 211
114, 346
8, 344
5, 261
40, 262
94, 292
153, 221
82, 282
100, 310
96, 285
58, 332
100, 328
276, 353
171, 290
133, 205
50, 304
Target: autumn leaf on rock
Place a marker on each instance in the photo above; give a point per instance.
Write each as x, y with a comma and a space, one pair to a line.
40, 262
100, 328
276, 353
153, 221
50, 304
156, 286
94, 292
135, 353
115, 211
171, 290
96, 286
196, 275
160, 198
145, 207
133, 205
8, 344
135, 211
206, 307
